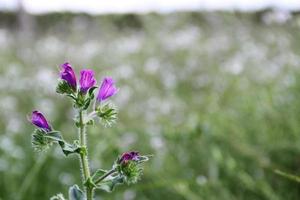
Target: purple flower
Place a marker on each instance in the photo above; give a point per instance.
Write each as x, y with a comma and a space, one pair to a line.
67, 74
107, 89
38, 119
129, 156
87, 80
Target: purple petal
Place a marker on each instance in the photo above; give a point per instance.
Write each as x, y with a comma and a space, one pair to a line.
38, 119
87, 80
107, 89
129, 156
67, 74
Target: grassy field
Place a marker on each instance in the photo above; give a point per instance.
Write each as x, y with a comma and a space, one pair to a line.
215, 97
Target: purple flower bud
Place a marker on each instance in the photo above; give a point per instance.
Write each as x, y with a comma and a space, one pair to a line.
107, 89
67, 74
129, 156
38, 119
87, 80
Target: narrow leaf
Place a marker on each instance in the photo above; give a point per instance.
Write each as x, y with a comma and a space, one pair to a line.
54, 135
91, 91
109, 185
98, 174
67, 148
58, 197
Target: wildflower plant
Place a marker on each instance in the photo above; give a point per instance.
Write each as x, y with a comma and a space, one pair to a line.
127, 168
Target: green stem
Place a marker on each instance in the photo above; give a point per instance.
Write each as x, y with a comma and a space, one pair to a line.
89, 193
84, 157
105, 175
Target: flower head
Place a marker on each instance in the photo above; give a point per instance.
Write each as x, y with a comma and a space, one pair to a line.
38, 119
130, 166
87, 80
107, 89
67, 74
129, 156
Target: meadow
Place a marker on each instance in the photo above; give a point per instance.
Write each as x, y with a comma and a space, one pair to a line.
214, 96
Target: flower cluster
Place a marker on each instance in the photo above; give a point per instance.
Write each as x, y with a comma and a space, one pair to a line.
126, 169
87, 81
129, 165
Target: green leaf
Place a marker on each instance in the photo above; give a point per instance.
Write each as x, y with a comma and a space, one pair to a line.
39, 141
83, 101
89, 98
91, 91
75, 193
77, 124
110, 184
58, 197
72, 96
87, 103
90, 122
69, 148
142, 159
55, 136
64, 88
80, 100
98, 174
107, 114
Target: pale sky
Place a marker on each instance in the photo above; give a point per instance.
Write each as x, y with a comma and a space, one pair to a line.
142, 6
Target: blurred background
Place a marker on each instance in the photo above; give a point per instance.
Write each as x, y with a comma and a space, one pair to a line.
210, 88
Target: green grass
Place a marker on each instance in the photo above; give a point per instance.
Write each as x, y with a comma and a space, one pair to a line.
213, 96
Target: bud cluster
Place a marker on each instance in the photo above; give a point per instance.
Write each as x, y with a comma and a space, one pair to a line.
128, 168
129, 165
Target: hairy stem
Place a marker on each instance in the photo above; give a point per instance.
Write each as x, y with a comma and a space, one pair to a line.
84, 157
